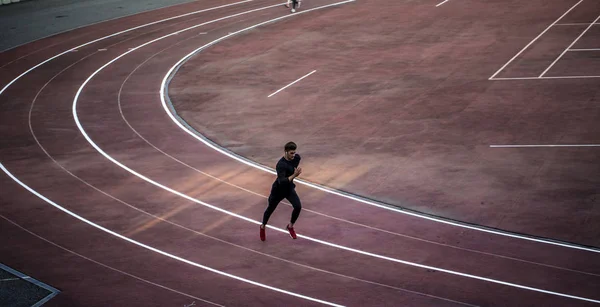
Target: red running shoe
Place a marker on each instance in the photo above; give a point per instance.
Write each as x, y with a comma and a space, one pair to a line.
291, 230
262, 234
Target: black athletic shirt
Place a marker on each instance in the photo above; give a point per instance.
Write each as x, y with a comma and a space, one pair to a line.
285, 169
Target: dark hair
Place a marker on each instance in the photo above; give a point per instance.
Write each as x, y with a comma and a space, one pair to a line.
290, 146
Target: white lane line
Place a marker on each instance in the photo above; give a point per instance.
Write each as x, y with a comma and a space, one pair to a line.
219, 209
74, 49
543, 78
441, 3
593, 49
155, 249
265, 197
322, 188
575, 24
104, 265
86, 136
172, 113
284, 202
281, 89
571, 45
194, 231
535, 39
548, 145
162, 92
123, 237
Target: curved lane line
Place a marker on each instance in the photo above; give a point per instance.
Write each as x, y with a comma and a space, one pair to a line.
184, 227
199, 136
155, 249
320, 213
91, 142
106, 266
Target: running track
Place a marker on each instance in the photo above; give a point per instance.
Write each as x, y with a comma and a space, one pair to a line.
112, 202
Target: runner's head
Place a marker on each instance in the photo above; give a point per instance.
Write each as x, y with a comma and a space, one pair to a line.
290, 150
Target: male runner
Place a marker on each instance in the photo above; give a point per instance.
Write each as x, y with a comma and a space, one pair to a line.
284, 187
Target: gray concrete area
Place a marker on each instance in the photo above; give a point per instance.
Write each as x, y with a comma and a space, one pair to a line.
30, 20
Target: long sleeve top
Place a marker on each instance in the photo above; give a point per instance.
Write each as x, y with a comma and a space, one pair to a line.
285, 169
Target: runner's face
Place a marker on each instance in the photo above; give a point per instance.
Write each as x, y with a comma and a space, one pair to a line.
290, 154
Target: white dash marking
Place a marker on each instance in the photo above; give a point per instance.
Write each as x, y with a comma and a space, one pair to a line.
592, 49
441, 3
545, 145
281, 89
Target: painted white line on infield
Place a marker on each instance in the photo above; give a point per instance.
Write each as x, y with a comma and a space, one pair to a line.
545, 145
571, 45
281, 89
441, 3
574, 24
74, 49
535, 39
544, 78
593, 49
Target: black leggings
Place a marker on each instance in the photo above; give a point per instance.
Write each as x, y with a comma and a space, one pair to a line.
295, 5
274, 200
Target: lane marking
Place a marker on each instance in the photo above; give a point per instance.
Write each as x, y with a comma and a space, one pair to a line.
592, 49
571, 45
99, 150
535, 39
575, 24
155, 249
281, 89
542, 78
285, 202
441, 3
564, 145
322, 188
203, 234
104, 265
158, 251
170, 110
